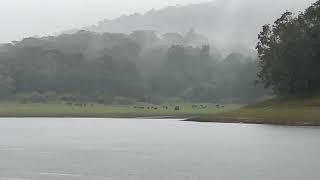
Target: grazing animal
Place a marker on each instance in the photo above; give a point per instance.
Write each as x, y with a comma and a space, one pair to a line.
194, 106
177, 108
138, 107
203, 106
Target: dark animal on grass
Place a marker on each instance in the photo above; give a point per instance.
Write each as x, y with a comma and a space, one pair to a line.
177, 108
137, 107
203, 106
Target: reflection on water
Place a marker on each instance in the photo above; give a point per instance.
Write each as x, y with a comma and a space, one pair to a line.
144, 149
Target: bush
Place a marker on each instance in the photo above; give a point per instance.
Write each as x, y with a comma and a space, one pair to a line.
68, 97
23, 98
37, 98
123, 100
50, 96
34, 97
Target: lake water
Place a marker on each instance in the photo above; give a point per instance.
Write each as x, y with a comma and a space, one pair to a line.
146, 149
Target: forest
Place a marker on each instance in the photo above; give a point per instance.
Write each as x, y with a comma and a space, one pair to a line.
147, 66
138, 67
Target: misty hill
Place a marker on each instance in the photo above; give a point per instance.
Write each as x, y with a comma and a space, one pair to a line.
230, 24
113, 67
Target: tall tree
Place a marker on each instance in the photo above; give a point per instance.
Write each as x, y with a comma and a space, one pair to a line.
289, 53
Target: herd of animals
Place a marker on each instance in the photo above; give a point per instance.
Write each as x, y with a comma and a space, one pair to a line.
176, 108
79, 104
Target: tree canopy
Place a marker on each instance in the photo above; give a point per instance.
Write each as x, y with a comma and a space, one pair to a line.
289, 53
141, 66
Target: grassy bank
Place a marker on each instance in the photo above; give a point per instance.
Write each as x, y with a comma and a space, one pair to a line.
300, 112
11, 109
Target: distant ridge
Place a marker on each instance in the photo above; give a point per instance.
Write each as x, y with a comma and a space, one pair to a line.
229, 24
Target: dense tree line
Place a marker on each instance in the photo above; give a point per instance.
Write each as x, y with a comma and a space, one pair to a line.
108, 67
289, 53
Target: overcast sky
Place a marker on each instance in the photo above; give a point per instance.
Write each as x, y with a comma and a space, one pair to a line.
21, 18
24, 18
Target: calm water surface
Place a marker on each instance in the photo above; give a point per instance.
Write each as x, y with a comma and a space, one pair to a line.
146, 149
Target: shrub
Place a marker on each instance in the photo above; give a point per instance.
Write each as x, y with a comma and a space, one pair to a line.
123, 100
36, 97
50, 96
68, 97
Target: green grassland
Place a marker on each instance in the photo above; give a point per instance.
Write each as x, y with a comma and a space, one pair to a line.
298, 111
11, 109
274, 111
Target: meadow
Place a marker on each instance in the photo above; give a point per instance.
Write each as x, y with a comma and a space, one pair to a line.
185, 110
275, 111
297, 111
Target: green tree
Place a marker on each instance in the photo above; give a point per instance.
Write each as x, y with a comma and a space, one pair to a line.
289, 53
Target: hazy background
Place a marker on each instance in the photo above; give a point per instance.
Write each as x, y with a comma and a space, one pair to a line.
20, 18
137, 51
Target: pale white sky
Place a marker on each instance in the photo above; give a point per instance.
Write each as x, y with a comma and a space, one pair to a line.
21, 18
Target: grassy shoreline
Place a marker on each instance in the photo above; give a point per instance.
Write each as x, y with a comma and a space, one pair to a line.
12, 109
291, 112
294, 112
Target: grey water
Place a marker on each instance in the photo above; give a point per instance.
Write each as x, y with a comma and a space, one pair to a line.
151, 149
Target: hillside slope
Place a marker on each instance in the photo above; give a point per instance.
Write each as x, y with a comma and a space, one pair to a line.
228, 23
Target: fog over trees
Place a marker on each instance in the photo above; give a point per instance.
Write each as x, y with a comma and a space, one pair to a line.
140, 66
229, 24
199, 53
